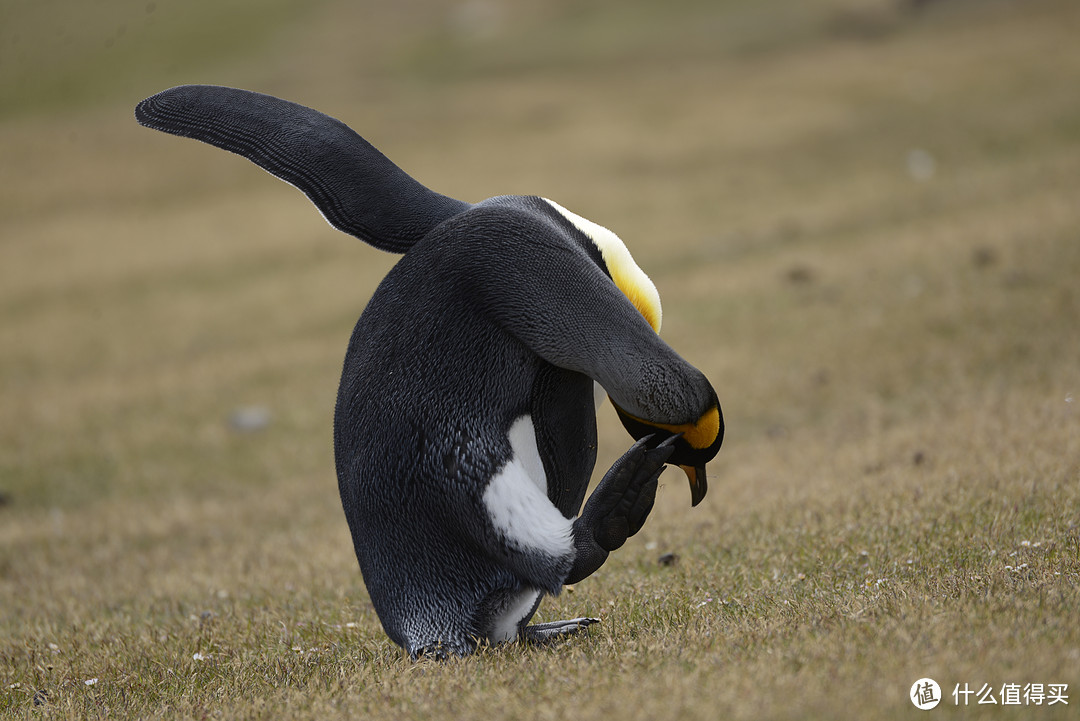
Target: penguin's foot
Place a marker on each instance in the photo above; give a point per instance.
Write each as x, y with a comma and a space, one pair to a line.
618, 507
541, 633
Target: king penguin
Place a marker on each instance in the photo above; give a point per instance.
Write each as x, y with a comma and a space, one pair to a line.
465, 423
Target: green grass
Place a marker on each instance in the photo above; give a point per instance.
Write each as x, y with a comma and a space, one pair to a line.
899, 491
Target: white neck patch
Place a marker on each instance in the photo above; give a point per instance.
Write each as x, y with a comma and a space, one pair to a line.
628, 277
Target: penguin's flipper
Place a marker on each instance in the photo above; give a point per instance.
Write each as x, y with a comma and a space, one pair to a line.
357, 189
541, 633
618, 507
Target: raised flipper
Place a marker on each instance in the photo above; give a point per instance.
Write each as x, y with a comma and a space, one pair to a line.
357, 189
616, 510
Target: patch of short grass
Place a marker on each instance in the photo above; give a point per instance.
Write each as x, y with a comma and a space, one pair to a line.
895, 353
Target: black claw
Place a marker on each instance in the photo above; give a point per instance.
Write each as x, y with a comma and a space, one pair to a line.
619, 506
541, 633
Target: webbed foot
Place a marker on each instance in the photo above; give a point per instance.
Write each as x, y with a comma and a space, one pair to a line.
541, 633
618, 507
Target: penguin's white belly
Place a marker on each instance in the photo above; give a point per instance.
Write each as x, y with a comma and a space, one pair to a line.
517, 503
505, 626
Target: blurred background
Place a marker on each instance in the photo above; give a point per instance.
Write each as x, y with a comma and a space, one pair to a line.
775, 166
861, 215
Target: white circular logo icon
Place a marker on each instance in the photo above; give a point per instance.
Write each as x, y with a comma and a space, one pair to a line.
925, 694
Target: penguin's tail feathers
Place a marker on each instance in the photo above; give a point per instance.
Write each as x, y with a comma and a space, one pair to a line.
357, 189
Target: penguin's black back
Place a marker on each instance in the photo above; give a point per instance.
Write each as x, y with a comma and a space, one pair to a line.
430, 388
464, 430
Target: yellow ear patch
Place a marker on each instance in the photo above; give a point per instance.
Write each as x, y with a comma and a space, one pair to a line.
626, 274
700, 434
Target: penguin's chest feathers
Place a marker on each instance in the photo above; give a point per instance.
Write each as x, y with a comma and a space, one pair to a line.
517, 502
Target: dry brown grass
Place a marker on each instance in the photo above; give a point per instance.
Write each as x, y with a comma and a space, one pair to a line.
899, 360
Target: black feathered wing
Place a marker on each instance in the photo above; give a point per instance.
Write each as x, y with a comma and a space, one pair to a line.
357, 189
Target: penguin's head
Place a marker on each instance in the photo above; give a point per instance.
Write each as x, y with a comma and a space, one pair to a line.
700, 436
698, 442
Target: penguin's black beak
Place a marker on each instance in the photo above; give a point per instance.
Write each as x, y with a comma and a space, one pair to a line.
697, 443
698, 483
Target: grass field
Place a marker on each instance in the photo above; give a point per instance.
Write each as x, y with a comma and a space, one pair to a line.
863, 220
